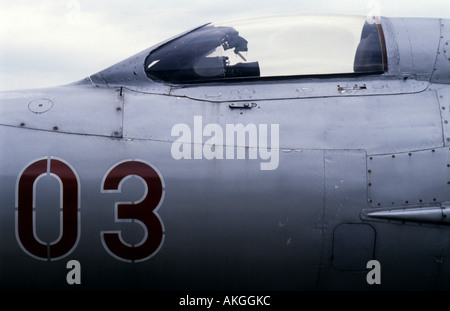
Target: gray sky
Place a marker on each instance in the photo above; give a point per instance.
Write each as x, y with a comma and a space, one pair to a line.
53, 42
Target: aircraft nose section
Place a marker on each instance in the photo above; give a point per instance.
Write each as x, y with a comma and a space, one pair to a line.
21, 106
64, 109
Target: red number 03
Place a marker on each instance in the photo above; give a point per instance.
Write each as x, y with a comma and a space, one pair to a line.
143, 211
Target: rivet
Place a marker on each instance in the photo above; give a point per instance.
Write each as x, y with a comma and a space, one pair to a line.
22, 124
370, 184
369, 171
55, 128
393, 156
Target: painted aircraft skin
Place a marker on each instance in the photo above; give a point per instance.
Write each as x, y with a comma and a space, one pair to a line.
136, 173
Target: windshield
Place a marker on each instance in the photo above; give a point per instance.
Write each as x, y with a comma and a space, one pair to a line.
271, 47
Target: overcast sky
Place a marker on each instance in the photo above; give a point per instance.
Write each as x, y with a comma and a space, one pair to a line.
53, 42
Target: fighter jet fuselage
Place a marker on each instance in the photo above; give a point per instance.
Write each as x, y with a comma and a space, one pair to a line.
286, 153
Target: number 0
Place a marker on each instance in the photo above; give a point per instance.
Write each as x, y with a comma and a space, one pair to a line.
25, 214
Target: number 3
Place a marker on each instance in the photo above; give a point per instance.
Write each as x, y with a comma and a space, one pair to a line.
143, 211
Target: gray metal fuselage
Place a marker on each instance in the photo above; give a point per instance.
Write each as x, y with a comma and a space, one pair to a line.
362, 172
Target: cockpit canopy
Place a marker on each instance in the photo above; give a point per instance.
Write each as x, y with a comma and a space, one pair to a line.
271, 47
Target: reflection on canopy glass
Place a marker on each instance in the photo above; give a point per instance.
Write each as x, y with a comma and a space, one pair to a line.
281, 46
